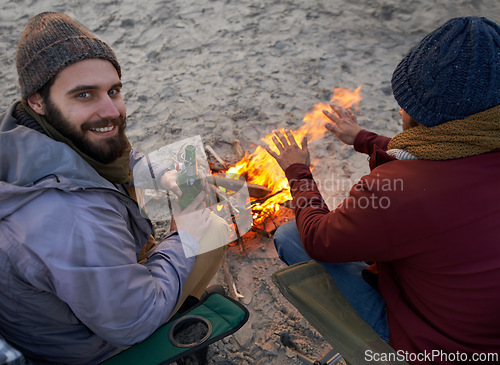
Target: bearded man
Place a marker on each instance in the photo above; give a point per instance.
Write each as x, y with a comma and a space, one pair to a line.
71, 231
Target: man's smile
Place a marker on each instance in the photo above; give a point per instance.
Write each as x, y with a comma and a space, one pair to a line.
103, 129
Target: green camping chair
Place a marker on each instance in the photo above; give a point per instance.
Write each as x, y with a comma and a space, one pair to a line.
188, 332
309, 288
212, 319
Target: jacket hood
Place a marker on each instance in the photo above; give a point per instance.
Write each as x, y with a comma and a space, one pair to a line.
31, 162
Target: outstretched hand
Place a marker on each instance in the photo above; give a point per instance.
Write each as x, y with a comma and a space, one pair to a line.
345, 125
289, 150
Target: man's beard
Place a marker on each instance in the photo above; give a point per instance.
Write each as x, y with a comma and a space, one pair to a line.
104, 152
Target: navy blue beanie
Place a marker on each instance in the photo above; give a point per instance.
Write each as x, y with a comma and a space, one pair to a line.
452, 73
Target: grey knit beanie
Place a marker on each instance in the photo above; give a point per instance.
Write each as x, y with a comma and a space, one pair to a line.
454, 72
51, 42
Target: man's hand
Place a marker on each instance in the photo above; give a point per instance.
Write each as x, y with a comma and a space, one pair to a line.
289, 151
169, 182
195, 219
345, 125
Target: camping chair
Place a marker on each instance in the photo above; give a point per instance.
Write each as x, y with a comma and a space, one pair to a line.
309, 288
213, 318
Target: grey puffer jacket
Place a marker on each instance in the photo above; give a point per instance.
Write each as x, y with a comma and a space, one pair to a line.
71, 290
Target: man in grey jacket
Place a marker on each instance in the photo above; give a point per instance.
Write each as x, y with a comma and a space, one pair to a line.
71, 233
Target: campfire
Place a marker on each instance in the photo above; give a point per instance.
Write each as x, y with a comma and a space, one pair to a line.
268, 186
250, 194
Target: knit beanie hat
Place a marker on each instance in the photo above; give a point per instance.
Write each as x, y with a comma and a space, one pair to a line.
51, 42
454, 72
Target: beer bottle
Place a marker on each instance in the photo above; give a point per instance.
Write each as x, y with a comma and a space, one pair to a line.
189, 181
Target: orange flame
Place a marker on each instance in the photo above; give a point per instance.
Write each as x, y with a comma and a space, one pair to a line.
261, 168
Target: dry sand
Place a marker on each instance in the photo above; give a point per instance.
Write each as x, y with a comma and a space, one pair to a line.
239, 69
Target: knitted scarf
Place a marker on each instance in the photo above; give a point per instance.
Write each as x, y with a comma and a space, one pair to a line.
116, 172
474, 135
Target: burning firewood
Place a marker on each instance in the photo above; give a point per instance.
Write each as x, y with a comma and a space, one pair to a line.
254, 190
261, 231
217, 157
237, 149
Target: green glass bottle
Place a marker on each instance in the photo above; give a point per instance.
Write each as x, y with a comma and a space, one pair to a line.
189, 181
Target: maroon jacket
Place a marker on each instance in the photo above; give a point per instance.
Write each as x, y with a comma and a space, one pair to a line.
433, 227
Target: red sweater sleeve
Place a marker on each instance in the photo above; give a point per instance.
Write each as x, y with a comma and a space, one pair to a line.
355, 230
365, 142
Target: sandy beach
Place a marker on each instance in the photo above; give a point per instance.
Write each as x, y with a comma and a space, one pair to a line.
228, 70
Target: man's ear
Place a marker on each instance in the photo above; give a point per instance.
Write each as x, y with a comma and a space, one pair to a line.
35, 101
